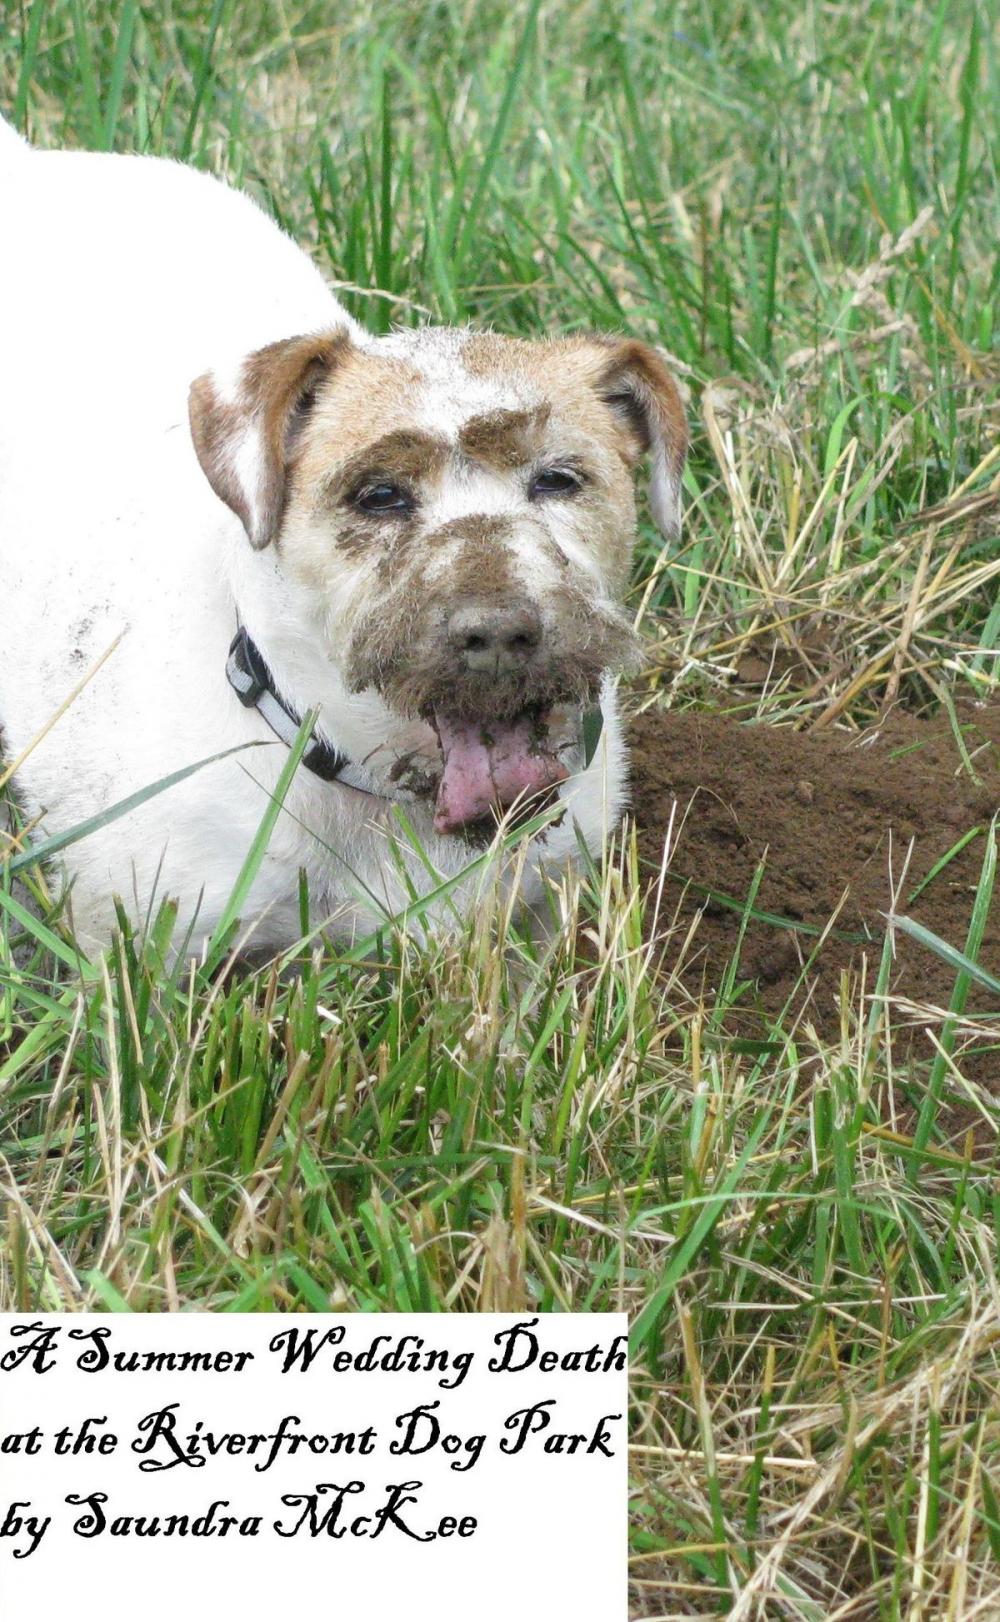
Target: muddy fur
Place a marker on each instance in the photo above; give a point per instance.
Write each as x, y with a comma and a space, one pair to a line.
365, 536
405, 456
478, 529
504, 439
401, 650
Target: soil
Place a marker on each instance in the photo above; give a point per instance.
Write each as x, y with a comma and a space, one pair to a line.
827, 813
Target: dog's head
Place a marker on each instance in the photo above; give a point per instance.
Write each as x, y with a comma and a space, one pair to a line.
460, 509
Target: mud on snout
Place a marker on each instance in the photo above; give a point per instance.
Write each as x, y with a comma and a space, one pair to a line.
503, 677
418, 661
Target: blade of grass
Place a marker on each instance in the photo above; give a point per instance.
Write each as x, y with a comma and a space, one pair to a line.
48, 848
486, 171
959, 997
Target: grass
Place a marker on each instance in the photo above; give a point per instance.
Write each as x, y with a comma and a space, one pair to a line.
799, 202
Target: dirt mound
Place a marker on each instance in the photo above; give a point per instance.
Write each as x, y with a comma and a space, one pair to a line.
819, 810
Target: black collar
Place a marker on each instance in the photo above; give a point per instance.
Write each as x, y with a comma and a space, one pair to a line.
250, 678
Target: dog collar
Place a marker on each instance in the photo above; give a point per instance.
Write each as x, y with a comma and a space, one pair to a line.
250, 678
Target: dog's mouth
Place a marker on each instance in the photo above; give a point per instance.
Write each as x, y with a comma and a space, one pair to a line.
491, 768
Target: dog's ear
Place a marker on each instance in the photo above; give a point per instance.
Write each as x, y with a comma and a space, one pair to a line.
245, 432
637, 386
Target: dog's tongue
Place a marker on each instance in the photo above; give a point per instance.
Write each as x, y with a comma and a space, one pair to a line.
489, 766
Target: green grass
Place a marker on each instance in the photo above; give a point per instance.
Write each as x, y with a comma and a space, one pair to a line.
800, 204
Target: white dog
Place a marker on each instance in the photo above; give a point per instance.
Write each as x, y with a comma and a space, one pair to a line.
423, 537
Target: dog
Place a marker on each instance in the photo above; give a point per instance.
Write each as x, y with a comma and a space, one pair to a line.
265, 513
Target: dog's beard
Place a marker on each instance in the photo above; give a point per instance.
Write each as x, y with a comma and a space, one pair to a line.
411, 666
508, 738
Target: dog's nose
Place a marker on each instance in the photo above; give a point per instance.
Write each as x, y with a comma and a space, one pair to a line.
495, 636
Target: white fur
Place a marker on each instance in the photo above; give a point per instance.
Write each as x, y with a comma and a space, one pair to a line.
121, 280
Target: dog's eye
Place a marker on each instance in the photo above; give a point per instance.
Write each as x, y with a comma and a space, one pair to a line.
555, 481
384, 498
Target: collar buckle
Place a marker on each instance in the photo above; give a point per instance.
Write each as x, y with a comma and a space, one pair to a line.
250, 678
245, 670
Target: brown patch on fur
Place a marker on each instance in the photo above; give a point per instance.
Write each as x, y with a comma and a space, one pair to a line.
413, 771
370, 400
485, 529
367, 535
504, 439
480, 571
404, 456
582, 377
275, 387
566, 373
479, 533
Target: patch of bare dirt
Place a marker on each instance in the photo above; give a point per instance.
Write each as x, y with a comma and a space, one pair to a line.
821, 810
